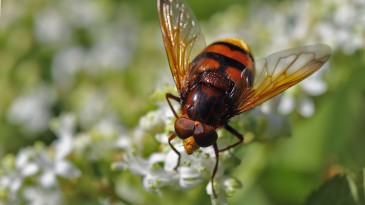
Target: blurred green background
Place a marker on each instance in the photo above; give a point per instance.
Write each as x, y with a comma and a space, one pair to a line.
101, 59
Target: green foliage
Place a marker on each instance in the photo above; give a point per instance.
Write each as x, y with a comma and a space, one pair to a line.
341, 189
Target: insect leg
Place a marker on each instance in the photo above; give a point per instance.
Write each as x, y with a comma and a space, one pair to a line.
216, 151
171, 96
236, 134
175, 150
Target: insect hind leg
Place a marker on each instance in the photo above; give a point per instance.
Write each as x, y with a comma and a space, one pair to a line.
171, 96
216, 152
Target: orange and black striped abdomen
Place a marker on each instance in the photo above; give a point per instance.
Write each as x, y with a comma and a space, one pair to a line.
215, 82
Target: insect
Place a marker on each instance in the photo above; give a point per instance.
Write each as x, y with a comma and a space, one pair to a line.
222, 80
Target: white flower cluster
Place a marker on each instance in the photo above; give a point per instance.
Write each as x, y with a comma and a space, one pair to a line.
30, 177
158, 169
32, 110
344, 25
111, 43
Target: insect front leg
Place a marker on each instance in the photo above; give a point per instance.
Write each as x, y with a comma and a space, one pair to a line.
171, 96
168, 97
236, 134
175, 150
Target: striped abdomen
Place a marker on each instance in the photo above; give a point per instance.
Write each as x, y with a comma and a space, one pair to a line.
215, 82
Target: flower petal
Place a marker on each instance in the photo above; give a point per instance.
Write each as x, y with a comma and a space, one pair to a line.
306, 107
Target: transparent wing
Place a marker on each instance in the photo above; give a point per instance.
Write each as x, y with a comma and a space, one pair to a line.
280, 71
181, 35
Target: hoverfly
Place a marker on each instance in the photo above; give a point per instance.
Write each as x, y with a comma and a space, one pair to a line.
222, 80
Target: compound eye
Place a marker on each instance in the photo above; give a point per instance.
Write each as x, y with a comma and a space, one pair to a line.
184, 127
205, 135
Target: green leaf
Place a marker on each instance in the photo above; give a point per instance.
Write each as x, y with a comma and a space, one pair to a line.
340, 190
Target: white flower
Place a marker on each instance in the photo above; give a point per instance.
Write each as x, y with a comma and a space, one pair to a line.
93, 107
158, 169
52, 165
154, 121
83, 13
32, 110
108, 126
42, 165
41, 196
227, 187
315, 85
51, 27
190, 177
66, 63
293, 99
113, 49
12, 182
346, 21
12, 177
111, 44
123, 142
24, 162
64, 129
154, 177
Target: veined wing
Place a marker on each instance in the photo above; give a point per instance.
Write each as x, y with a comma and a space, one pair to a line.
181, 35
280, 71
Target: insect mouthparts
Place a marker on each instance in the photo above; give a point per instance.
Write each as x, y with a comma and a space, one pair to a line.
190, 145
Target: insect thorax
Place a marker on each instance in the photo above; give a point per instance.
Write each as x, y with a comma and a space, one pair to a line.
208, 99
